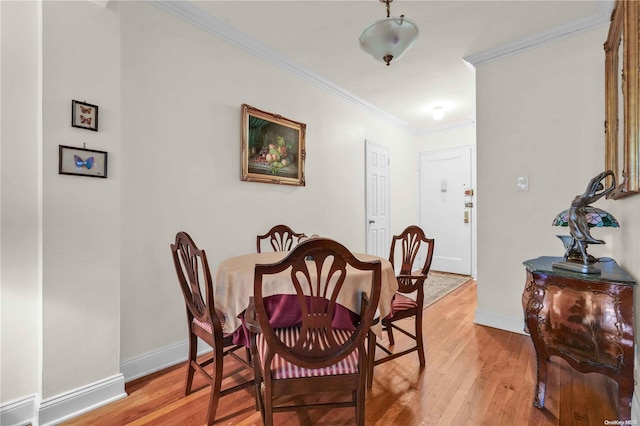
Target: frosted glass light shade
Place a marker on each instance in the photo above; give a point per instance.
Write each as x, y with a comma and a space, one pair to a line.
388, 39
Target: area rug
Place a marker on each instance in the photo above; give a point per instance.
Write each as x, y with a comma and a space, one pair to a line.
439, 284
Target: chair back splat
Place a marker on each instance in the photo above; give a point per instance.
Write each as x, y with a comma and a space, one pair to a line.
281, 238
316, 354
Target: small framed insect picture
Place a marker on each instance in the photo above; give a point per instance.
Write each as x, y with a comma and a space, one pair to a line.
82, 162
84, 115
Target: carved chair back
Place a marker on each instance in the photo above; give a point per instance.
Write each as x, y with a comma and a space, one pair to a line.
409, 244
318, 268
195, 282
281, 238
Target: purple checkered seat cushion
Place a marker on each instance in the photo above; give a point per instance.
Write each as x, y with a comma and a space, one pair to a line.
283, 369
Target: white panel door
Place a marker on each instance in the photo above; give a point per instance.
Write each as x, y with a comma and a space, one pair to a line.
377, 199
445, 184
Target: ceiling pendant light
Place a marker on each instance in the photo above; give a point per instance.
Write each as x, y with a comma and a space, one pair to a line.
388, 39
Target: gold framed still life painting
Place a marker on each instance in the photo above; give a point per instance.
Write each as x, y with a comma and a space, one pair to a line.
273, 148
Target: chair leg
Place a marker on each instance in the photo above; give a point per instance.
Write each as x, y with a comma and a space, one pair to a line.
216, 385
257, 380
260, 404
390, 334
267, 402
419, 339
371, 355
191, 358
359, 397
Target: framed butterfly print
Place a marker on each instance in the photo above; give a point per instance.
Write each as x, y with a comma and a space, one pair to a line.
82, 162
84, 115
273, 148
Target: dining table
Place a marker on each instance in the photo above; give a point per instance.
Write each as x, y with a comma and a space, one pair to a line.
233, 288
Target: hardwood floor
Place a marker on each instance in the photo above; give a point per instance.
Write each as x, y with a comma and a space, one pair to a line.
474, 375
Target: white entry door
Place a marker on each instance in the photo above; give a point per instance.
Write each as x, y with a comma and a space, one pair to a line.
377, 199
445, 191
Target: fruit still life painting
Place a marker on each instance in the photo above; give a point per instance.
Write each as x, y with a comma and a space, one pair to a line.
273, 148
277, 154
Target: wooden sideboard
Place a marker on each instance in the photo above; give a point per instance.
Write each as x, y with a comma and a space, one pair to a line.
585, 319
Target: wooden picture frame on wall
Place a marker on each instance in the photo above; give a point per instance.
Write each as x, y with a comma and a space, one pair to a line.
273, 148
622, 106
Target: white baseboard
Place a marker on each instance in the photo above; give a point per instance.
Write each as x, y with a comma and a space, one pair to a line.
159, 359
514, 325
19, 412
53, 411
154, 361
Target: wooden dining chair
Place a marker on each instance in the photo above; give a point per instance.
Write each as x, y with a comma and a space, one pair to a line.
281, 237
204, 321
404, 251
314, 356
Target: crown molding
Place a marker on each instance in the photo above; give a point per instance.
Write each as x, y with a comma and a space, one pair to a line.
201, 19
188, 12
602, 16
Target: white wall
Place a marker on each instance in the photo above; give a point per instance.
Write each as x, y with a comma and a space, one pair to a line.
462, 135
182, 92
81, 215
60, 234
20, 299
540, 114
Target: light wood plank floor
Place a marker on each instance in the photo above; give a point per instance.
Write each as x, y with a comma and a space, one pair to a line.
475, 375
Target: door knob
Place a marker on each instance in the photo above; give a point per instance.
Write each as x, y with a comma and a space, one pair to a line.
371, 221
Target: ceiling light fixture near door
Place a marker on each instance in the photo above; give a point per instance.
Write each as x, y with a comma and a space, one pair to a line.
438, 113
388, 39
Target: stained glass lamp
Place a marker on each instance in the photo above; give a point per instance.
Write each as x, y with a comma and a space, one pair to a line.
596, 218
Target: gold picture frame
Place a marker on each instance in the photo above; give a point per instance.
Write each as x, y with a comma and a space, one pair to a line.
622, 109
273, 148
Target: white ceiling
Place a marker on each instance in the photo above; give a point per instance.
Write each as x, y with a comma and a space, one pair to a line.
318, 40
